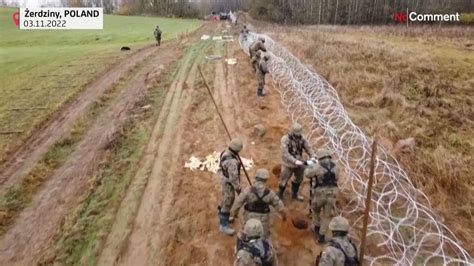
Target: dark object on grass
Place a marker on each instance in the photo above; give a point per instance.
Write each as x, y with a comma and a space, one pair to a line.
125, 48
299, 223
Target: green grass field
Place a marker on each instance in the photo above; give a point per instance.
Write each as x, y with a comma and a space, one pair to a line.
43, 69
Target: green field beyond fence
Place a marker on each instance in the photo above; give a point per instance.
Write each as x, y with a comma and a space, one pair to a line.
42, 69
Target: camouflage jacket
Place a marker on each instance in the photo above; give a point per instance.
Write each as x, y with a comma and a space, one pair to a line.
157, 33
230, 169
320, 170
247, 196
292, 150
333, 256
257, 45
244, 256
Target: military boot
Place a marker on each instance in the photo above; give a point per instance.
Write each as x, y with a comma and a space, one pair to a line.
281, 190
315, 231
318, 238
224, 224
295, 187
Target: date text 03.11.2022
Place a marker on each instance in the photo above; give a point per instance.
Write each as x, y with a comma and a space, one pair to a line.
44, 23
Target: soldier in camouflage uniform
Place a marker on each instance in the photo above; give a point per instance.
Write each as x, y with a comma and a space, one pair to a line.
324, 189
262, 69
251, 249
229, 172
292, 146
257, 200
341, 251
259, 44
157, 34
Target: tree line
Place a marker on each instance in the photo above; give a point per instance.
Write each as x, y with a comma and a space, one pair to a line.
350, 11
282, 11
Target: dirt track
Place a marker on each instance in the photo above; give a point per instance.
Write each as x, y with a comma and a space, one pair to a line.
168, 215
24, 158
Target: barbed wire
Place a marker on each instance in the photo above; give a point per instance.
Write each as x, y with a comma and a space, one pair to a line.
403, 229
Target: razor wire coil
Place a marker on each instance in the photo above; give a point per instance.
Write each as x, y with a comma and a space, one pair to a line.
403, 228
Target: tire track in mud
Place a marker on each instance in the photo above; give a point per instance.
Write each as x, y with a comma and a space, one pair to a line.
25, 157
33, 231
131, 242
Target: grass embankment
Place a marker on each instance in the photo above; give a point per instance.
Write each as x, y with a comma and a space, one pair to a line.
42, 70
402, 83
84, 232
18, 196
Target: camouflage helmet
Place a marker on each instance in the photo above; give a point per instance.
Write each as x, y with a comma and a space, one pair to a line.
261, 39
310, 171
236, 145
339, 223
296, 129
261, 174
322, 153
253, 228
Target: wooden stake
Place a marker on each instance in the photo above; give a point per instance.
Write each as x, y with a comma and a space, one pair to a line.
223, 122
368, 199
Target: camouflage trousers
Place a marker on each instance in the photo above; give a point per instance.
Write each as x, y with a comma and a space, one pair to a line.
287, 172
228, 197
264, 218
322, 207
260, 79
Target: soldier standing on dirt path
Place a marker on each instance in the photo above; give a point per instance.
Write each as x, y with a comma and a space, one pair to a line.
252, 249
262, 69
292, 146
341, 251
229, 172
257, 200
259, 44
157, 34
323, 177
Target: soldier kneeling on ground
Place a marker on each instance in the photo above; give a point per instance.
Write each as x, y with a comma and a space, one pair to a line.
229, 172
262, 69
251, 249
257, 200
341, 251
323, 176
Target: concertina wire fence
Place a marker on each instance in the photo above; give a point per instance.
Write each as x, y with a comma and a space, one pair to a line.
403, 230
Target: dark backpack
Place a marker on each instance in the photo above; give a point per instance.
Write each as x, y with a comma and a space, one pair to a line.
296, 145
260, 205
348, 261
250, 248
227, 157
329, 178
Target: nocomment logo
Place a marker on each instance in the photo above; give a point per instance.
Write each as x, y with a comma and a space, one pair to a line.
413, 16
